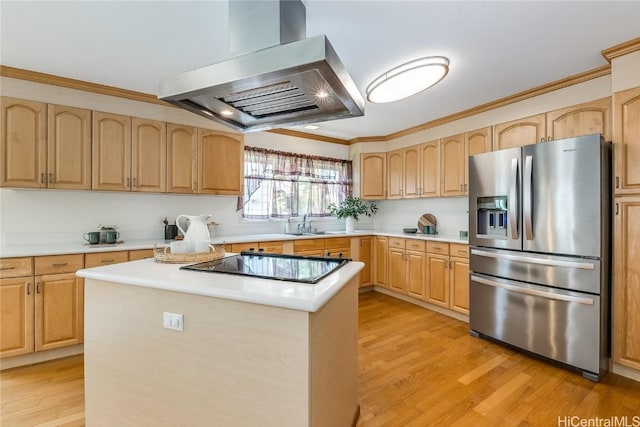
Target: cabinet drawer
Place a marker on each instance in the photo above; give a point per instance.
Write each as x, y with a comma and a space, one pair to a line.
438, 248
459, 250
105, 258
338, 242
308, 245
271, 247
239, 247
56, 264
16, 267
416, 245
396, 242
338, 252
140, 254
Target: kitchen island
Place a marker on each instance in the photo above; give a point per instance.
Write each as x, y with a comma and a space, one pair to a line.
252, 351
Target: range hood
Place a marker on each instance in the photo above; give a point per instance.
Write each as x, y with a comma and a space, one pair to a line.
278, 77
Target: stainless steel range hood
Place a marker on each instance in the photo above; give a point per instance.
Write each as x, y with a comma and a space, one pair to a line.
285, 80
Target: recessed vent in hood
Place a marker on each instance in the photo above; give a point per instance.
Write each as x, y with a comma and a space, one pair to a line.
293, 83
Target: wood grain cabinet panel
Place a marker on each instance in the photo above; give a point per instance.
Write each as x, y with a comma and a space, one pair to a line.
397, 270
380, 260
148, 155
68, 147
16, 267
373, 176
430, 169
58, 311
140, 254
452, 166
583, 119
626, 141
220, 163
16, 316
56, 264
394, 174
438, 279
459, 284
415, 275
626, 282
411, 172
23, 144
105, 258
475, 142
111, 144
182, 165
365, 255
517, 133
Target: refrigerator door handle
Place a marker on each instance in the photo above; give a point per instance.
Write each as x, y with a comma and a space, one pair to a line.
527, 197
531, 260
512, 218
534, 292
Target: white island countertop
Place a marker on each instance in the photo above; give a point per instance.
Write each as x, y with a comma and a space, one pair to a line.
277, 293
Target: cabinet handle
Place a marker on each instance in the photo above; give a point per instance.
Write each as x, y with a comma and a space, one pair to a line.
28, 288
37, 287
7, 268
135, 182
548, 138
107, 260
42, 178
195, 185
617, 182
60, 264
128, 182
50, 178
401, 192
617, 209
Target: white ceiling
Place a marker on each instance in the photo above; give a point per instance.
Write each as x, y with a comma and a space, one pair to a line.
496, 48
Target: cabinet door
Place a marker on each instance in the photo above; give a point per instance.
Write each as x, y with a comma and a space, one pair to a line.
58, 311
412, 166
69, 147
182, 151
452, 165
626, 283
23, 144
459, 281
394, 174
373, 175
366, 256
220, 163
380, 260
475, 142
416, 276
397, 270
148, 155
519, 132
16, 316
583, 119
438, 279
430, 169
111, 167
626, 141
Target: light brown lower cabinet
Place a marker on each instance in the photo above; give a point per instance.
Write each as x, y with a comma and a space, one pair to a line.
380, 260
140, 254
407, 266
448, 275
365, 255
17, 296
266, 247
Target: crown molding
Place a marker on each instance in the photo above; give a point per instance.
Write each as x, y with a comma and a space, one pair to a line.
369, 139
299, 134
621, 49
521, 96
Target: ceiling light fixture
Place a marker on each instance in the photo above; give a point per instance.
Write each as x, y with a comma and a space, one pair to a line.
311, 127
408, 79
226, 112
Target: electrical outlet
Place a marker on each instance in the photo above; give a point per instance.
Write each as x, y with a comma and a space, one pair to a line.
173, 321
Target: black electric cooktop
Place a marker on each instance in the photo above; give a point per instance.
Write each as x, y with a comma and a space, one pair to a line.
292, 268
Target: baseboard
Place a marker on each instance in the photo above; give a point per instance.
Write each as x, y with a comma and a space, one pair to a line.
40, 356
625, 372
423, 304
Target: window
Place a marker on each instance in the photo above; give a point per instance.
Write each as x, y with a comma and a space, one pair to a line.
285, 185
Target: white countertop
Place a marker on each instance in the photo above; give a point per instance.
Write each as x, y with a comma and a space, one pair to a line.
74, 248
297, 296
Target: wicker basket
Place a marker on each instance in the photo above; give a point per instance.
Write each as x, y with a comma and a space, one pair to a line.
164, 255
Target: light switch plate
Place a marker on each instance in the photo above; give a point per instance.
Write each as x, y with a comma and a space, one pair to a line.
173, 321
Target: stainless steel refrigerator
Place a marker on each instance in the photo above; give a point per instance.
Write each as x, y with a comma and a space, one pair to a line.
539, 229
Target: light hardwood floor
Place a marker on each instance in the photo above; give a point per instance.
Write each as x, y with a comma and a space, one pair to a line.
416, 368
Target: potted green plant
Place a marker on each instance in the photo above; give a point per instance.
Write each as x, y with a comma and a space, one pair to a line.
351, 208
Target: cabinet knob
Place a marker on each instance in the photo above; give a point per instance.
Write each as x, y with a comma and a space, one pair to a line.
128, 182
135, 182
42, 178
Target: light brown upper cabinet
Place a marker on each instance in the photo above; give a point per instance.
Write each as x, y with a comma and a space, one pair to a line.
475, 142
517, 133
45, 146
626, 141
111, 152
373, 176
452, 165
394, 174
220, 163
182, 165
148, 155
583, 119
430, 159
411, 172
24, 144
